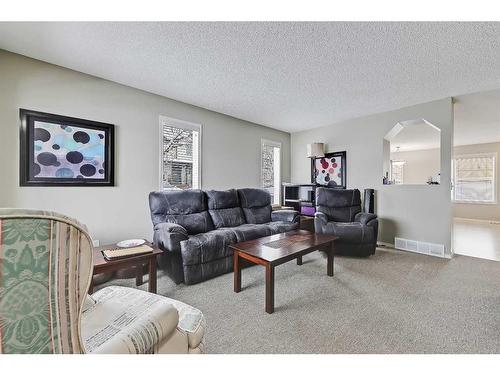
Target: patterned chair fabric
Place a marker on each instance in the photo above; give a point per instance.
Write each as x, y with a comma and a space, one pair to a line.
45, 271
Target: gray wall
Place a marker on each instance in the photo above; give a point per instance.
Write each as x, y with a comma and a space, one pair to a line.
230, 147
419, 165
418, 212
479, 211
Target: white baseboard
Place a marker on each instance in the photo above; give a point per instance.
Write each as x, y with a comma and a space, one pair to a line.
385, 244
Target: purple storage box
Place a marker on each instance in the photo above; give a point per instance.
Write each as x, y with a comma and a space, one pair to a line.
307, 210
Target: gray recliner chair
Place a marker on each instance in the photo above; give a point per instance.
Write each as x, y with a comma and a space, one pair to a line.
338, 212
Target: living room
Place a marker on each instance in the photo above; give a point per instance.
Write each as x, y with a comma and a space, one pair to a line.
248, 188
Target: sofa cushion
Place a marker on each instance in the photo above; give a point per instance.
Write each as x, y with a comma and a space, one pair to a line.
187, 208
339, 205
256, 204
248, 232
205, 247
281, 226
224, 208
127, 320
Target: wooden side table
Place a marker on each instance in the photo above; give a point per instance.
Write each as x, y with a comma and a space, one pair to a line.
101, 265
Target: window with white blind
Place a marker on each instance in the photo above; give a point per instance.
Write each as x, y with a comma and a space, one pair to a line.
474, 178
271, 169
397, 171
180, 154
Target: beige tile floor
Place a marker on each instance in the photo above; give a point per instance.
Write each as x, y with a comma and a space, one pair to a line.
477, 239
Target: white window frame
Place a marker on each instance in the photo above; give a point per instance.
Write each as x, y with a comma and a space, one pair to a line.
181, 124
495, 182
268, 142
402, 164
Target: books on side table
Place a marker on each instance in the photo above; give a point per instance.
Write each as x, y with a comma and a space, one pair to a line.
119, 252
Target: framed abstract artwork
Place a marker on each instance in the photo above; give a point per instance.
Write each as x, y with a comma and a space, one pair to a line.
65, 151
330, 170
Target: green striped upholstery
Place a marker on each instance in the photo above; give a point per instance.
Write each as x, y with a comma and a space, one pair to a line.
45, 271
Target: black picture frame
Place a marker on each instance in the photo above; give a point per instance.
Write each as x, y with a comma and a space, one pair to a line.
27, 175
343, 157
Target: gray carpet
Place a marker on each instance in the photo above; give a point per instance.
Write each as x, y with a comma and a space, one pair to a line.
393, 302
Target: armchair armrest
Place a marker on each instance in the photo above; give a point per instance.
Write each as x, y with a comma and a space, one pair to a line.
364, 218
168, 236
320, 221
320, 216
128, 321
289, 216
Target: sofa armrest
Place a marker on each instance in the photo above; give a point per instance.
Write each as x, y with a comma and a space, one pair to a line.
168, 236
289, 216
364, 217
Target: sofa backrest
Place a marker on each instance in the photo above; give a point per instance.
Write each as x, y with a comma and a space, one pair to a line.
338, 204
187, 208
256, 205
224, 208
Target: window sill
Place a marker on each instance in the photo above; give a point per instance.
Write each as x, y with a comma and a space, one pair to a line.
475, 202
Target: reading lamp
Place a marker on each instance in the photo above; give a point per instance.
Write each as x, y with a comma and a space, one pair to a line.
316, 150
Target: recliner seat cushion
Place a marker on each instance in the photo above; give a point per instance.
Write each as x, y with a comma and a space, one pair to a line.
256, 204
206, 247
351, 232
224, 208
247, 232
187, 208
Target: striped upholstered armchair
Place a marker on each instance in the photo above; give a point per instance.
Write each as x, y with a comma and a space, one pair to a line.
45, 272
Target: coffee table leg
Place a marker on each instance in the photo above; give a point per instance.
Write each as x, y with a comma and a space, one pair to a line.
269, 288
299, 261
152, 275
237, 272
329, 266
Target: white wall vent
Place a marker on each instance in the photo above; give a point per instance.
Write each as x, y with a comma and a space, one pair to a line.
420, 247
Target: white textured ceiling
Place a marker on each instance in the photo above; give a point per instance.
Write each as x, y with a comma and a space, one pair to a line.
289, 76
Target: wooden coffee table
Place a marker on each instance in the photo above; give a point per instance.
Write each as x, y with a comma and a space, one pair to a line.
101, 265
274, 250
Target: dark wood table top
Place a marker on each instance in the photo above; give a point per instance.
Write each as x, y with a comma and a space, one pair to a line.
101, 262
284, 245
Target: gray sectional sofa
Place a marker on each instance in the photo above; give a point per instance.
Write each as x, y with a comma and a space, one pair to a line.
194, 228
